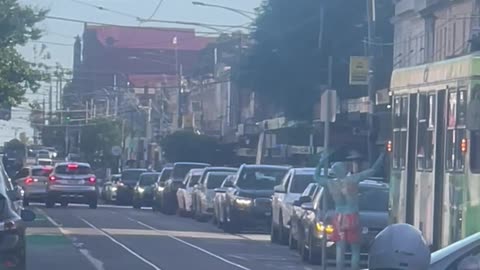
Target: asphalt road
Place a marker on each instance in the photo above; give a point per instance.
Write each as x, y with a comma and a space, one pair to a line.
121, 238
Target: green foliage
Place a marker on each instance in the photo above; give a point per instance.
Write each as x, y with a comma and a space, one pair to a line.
97, 140
187, 146
17, 27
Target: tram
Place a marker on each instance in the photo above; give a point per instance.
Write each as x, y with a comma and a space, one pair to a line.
435, 149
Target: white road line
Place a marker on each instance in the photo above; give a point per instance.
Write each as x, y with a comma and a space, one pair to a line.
122, 245
194, 246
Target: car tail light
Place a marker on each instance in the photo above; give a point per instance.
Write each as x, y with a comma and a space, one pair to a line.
92, 180
29, 180
52, 178
72, 166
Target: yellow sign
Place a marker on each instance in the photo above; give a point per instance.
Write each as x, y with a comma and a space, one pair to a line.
358, 70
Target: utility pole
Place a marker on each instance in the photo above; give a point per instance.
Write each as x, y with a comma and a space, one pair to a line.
371, 50
179, 72
50, 103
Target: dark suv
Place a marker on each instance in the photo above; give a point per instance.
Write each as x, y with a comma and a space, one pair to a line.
13, 218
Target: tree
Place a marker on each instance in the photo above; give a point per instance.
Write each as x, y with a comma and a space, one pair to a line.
18, 25
97, 140
188, 146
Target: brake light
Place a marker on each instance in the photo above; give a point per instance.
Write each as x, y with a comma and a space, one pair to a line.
29, 180
389, 146
92, 179
72, 166
463, 146
52, 178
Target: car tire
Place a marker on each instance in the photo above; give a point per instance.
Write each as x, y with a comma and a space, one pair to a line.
230, 225
303, 250
93, 204
25, 202
274, 234
282, 234
314, 256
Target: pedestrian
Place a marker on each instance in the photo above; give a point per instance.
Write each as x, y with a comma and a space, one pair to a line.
400, 247
343, 187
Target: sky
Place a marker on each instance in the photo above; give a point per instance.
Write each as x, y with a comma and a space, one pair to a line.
59, 35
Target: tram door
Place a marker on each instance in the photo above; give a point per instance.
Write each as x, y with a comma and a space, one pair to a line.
410, 161
439, 171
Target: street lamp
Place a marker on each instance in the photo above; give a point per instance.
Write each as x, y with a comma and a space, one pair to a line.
238, 11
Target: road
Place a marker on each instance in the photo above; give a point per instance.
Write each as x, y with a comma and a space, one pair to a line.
121, 238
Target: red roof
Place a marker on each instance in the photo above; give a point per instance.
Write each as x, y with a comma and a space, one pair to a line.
152, 81
149, 38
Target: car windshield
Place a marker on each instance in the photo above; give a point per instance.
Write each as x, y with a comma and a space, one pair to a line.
165, 175
148, 179
73, 169
43, 155
215, 180
300, 182
373, 199
132, 175
194, 180
261, 178
44, 162
41, 172
181, 170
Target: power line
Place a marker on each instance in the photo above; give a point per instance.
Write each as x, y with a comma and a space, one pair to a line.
156, 9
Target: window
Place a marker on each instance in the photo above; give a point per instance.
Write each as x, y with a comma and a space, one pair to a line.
215, 180
456, 113
400, 121
475, 151
148, 179
73, 170
300, 182
41, 172
425, 131
194, 180
260, 178
22, 173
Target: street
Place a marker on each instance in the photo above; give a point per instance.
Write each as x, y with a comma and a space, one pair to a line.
116, 237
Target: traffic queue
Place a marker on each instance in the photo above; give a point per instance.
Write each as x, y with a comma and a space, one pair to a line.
284, 201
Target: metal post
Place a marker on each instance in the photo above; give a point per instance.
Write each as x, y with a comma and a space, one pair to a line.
50, 103
66, 135
371, 77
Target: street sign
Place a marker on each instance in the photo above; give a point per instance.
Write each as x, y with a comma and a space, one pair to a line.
359, 70
328, 106
116, 150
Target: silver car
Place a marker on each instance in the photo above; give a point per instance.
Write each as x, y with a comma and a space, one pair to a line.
72, 182
34, 181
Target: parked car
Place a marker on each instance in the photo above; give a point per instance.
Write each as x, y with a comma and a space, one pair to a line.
72, 182
109, 190
292, 186
219, 200
143, 191
125, 186
458, 255
159, 187
184, 193
195, 199
373, 205
33, 181
298, 212
249, 202
206, 191
13, 245
169, 194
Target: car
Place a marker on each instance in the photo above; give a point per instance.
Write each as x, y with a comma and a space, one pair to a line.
72, 182
459, 253
184, 193
128, 180
109, 190
298, 212
159, 186
169, 194
291, 188
206, 191
143, 191
249, 202
195, 199
373, 205
219, 201
33, 181
13, 245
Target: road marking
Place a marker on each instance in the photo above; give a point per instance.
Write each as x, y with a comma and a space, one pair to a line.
94, 261
194, 246
122, 245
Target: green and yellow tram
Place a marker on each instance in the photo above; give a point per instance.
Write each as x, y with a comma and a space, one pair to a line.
435, 174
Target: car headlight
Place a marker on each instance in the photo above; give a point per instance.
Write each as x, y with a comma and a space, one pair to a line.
141, 190
159, 188
244, 202
114, 188
322, 228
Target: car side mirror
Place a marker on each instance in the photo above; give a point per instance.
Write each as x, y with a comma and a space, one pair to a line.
28, 215
307, 206
279, 189
302, 200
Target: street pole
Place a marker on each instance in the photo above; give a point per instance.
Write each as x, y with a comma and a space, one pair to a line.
66, 134
371, 78
50, 103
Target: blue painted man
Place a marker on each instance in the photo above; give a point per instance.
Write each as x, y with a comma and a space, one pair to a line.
343, 187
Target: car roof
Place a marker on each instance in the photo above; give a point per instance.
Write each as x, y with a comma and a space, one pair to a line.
219, 173
190, 163
135, 170
40, 167
254, 166
306, 170
73, 162
207, 169
150, 173
196, 171
441, 254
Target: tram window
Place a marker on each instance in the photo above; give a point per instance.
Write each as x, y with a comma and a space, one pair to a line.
462, 107
404, 112
475, 151
425, 128
457, 107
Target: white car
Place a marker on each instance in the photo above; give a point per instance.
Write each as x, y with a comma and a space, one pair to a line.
184, 193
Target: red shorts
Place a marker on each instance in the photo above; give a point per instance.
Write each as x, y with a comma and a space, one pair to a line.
346, 227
